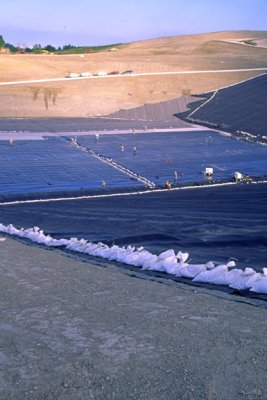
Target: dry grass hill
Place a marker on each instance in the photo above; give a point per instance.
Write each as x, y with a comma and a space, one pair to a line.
88, 97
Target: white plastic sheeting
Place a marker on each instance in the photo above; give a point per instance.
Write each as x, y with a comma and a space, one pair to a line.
169, 262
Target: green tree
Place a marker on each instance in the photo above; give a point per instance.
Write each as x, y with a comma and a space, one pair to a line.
11, 48
2, 42
37, 48
68, 47
49, 48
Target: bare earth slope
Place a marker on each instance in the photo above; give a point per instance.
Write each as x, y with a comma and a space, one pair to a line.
146, 341
92, 96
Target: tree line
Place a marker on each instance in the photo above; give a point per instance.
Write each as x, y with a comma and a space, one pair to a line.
66, 49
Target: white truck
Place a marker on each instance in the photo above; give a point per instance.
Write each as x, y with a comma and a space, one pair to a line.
85, 74
101, 73
73, 75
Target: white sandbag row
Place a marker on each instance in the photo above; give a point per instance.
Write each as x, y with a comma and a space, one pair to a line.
168, 261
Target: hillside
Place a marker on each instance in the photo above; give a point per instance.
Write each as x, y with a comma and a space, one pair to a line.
213, 51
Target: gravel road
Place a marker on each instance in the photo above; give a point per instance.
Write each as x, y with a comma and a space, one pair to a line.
73, 330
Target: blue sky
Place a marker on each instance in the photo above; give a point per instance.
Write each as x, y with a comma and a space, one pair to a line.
96, 22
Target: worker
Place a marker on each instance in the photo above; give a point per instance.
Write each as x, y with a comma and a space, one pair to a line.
103, 184
134, 150
175, 176
168, 185
122, 147
209, 140
10, 141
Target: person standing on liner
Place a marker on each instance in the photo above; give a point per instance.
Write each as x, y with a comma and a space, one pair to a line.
175, 176
168, 185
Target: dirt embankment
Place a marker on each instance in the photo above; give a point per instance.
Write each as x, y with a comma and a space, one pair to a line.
105, 95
